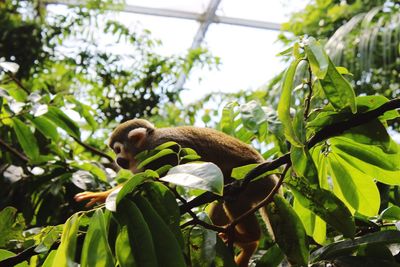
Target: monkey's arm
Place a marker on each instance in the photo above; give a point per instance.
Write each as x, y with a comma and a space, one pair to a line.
94, 196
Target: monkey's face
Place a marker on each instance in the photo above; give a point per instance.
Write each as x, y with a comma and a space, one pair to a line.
128, 140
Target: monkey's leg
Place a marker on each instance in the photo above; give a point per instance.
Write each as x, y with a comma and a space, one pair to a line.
247, 231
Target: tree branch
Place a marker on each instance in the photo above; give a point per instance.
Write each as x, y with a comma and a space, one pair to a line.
14, 151
94, 150
325, 133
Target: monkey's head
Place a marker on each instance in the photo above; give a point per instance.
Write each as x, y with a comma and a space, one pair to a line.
128, 139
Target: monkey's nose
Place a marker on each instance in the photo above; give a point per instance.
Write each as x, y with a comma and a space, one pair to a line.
124, 163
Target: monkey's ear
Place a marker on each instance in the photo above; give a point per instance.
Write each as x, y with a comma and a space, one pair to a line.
138, 136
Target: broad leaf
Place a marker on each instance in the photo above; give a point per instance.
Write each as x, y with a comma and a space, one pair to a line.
140, 239
166, 246
96, 251
347, 247
324, 204
317, 57
338, 90
26, 139
66, 251
288, 231
60, 119
205, 176
285, 103
134, 182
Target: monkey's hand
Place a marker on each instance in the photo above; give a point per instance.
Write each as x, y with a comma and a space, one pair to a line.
93, 196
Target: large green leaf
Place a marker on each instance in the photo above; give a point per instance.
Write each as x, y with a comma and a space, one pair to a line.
160, 154
324, 204
272, 258
26, 139
123, 250
356, 189
253, 115
317, 57
303, 164
338, 90
373, 155
205, 176
347, 247
228, 116
285, 103
314, 225
134, 182
96, 251
46, 127
164, 203
288, 231
202, 244
5, 254
60, 119
166, 246
65, 256
139, 235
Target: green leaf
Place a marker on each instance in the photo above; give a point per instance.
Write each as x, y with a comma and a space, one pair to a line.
5, 254
314, 225
338, 90
84, 111
390, 213
141, 242
134, 182
166, 145
370, 160
26, 139
288, 231
158, 155
285, 103
357, 190
164, 203
253, 115
167, 249
324, 204
11, 225
96, 252
49, 262
66, 251
272, 258
60, 119
205, 176
317, 57
46, 127
95, 170
228, 116
348, 246
123, 250
303, 164
241, 172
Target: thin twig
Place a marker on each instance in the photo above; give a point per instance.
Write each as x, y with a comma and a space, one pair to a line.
94, 150
310, 92
265, 201
18, 82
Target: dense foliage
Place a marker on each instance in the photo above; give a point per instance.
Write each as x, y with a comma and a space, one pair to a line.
338, 164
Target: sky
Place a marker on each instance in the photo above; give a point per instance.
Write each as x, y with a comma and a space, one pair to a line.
248, 55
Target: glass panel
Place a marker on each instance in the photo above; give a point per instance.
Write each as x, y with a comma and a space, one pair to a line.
248, 59
196, 6
272, 11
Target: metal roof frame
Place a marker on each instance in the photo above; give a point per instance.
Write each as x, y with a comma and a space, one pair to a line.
205, 19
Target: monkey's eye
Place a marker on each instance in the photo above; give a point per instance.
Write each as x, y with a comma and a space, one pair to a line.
117, 149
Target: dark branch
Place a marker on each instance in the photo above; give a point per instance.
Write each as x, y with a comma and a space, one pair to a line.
94, 150
14, 151
325, 133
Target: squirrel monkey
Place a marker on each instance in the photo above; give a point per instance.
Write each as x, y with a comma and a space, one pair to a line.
134, 136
